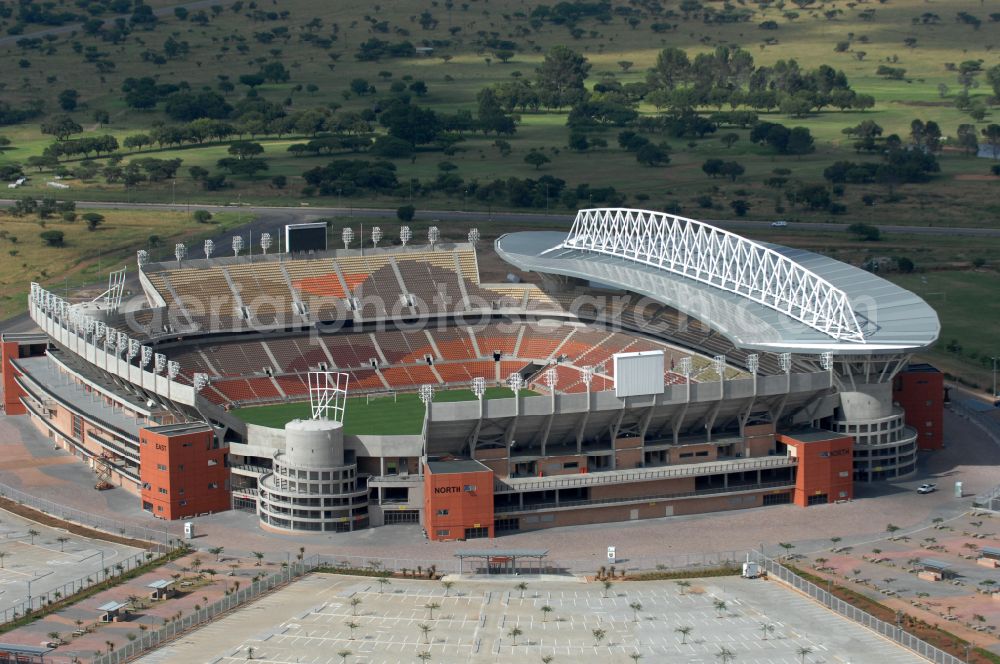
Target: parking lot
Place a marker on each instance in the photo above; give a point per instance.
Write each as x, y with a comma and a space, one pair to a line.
51, 560
326, 619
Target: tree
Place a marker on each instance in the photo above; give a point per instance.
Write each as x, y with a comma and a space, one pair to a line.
729, 139
426, 630
732, 170
725, 655
803, 652
52, 239
536, 158
683, 584
259, 556
636, 608
546, 610
740, 207
203, 217
561, 77
607, 583
351, 625
431, 607
865, 232
245, 149
61, 126
343, 654
672, 68
504, 55
652, 155
719, 606
405, 212
93, 220
992, 135
62, 539
68, 99
513, 634
765, 629
355, 603
683, 630
3, 554
424, 656
598, 635
383, 581
447, 586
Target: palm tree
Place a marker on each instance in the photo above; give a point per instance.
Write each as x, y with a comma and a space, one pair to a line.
351, 625
683, 630
607, 586
547, 659
787, 547
259, 555
522, 587
382, 583
355, 602
110, 645
766, 628
55, 637
33, 534
426, 629
725, 655
430, 608
599, 635
683, 585
546, 610
423, 656
250, 650
636, 608
720, 607
3, 554
62, 539
217, 552
447, 586
803, 652
636, 656
514, 633
343, 654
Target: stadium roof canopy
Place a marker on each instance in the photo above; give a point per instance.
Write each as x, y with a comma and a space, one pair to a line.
761, 296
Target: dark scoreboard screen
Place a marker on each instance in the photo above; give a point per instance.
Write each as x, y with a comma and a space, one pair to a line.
301, 238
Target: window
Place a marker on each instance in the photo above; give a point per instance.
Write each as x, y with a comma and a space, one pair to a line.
476, 533
701, 454
213, 462
213, 485
469, 488
163, 491
571, 464
159, 508
443, 533
442, 512
844, 473
184, 503
77, 427
818, 499
777, 498
161, 466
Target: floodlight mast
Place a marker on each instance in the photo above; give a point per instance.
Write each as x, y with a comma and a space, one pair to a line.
142, 258
433, 235
328, 394
265, 242
376, 235
180, 251
405, 235
474, 236
209, 248
479, 387
347, 235
237, 245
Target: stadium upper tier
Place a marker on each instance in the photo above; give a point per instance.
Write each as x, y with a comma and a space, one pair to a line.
760, 296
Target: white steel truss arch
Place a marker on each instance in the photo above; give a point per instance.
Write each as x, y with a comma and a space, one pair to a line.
713, 256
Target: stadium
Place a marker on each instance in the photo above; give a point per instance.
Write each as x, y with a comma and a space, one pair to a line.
641, 365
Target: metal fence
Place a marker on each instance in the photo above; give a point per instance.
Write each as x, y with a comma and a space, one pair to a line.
152, 639
69, 588
159, 538
888, 630
989, 500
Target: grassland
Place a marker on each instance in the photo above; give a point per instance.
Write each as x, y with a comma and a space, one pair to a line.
87, 256
956, 197
383, 416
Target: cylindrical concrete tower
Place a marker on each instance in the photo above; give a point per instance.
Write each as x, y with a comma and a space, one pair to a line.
312, 487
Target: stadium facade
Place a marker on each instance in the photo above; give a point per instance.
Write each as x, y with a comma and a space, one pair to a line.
782, 373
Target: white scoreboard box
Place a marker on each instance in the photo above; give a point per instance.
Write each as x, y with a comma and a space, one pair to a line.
638, 374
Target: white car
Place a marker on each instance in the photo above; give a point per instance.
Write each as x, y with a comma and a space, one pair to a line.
927, 488
779, 224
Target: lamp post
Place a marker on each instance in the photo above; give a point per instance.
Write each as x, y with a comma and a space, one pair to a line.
994, 377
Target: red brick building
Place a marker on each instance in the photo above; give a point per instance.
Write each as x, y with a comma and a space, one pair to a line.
183, 471
825, 468
919, 390
458, 500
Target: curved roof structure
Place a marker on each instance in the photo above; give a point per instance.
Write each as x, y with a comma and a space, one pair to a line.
761, 296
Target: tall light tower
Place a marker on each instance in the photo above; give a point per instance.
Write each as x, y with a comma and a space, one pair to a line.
142, 258
265, 242
237, 245
180, 251
588, 376
376, 235
347, 235
405, 235
328, 394
474, 236
209, 248
433, 235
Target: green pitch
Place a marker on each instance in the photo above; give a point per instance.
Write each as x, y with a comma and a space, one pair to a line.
379, 417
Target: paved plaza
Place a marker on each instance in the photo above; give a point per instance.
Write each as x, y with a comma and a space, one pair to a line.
489, 621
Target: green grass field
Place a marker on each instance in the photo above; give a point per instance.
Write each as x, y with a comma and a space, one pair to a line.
383, 416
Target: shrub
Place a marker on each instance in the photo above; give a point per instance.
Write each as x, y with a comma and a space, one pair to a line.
405, 212
53, 238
